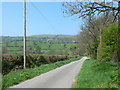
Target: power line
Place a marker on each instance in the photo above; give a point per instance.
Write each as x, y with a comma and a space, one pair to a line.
52, 27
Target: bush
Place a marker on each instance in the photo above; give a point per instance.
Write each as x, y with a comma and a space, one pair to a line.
15, 62
108, 46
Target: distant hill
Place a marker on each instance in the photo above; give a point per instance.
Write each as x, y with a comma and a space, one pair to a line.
40, 44
53, 36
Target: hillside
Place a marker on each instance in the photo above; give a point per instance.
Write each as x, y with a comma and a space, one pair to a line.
41, 44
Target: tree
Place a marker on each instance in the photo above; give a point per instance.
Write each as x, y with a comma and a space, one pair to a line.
90, 9
89, 36
109, 43
84, 9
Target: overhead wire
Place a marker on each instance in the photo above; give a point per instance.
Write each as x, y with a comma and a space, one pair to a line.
44, 17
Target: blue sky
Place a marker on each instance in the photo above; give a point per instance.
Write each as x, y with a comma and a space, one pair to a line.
47, 18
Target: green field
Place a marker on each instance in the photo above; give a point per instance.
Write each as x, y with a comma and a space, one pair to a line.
40, 44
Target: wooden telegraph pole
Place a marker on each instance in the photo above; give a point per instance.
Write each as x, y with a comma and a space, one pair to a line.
24, 49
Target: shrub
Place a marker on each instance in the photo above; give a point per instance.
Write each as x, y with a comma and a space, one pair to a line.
15, 62
108, 45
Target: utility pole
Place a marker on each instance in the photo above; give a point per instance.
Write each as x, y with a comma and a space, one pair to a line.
24, 49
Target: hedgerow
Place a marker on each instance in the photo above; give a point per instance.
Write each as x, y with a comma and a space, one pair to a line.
15, 62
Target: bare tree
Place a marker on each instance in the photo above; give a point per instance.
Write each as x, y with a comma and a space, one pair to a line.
89, 37
84, 9
93, 8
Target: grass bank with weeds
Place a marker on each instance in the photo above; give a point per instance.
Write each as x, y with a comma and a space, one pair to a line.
21, 75
0, 81
97, 75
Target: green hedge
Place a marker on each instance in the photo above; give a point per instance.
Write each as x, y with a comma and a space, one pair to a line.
15, 62
108, 46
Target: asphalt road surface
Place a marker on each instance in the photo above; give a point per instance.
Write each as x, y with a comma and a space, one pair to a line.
62, 77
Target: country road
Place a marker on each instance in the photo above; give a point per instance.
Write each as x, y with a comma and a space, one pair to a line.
62, 77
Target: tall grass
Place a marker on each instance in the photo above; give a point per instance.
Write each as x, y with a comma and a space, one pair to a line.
0, 81
97, 75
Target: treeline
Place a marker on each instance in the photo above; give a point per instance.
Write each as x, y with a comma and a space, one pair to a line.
100, 35
15, 61
99, 38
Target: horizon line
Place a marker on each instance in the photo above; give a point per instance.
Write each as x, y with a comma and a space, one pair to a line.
35, 35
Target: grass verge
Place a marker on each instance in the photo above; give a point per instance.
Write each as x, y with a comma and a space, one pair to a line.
21, 75
97, 75
0, 81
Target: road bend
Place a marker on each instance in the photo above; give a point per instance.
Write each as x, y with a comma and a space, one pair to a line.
61, 77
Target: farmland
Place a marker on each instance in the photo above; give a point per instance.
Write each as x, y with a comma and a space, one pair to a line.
40, 44
42, 50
